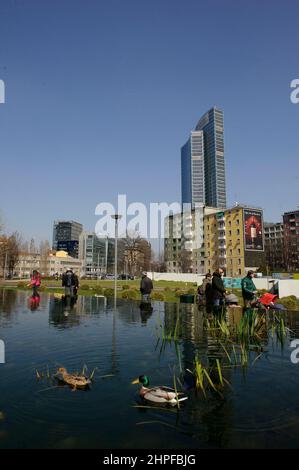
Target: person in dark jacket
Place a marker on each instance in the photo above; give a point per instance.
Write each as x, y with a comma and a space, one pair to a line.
204, 292
146, 287
248, 289
218, 289
76, 284
69, 283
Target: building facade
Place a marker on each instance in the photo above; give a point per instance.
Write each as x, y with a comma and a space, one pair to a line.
212, 126
66, 235
96, 254
291, 240
184, 240
56, 263
274, 246
234, 240
193, 170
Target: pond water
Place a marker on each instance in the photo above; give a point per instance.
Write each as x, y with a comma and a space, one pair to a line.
259, 407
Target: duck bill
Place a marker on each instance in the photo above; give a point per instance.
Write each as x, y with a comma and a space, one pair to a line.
135, 381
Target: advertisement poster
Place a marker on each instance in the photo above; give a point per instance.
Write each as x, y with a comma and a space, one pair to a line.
253, 230
232, 283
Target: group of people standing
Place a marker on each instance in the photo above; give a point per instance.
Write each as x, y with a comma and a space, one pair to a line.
213, 294
70, 282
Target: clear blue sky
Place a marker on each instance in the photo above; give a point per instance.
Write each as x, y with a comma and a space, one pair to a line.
100, 96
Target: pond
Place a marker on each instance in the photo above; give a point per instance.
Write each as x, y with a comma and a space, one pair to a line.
257, 406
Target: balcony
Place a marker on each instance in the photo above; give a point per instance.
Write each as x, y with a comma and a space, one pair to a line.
222, 247
221, 236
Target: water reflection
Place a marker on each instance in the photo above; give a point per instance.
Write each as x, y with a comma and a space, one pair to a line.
146, 311
121, 342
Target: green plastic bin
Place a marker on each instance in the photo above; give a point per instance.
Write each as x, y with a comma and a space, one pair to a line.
187, 299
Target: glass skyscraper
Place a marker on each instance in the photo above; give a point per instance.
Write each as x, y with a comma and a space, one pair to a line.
202, 162
193, 169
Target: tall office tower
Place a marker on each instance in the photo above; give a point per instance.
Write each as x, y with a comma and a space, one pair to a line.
291, 239
211, 124
66, 235
193, 169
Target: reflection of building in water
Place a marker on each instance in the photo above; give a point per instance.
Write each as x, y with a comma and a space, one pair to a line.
66, 311
188, 322
128, 311
8, 300
196, 341
62, 312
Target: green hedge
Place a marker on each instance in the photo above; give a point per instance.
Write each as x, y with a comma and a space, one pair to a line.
84, 287
108, 292
129, 294
158, 296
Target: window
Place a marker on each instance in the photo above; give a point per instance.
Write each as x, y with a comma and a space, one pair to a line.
238, 231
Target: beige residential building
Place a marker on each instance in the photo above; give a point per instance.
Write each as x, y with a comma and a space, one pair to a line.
55, 262
234, 240
184, 240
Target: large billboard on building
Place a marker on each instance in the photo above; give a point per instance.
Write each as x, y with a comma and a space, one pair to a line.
253, 230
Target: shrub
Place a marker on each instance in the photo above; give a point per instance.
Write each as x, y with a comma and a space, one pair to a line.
191, 291
158, 296
167, 289
178, 289
22, 285
125, 287
84, 287
42, 288
108, 292
99, 290
129, 294
179, 292
290, 302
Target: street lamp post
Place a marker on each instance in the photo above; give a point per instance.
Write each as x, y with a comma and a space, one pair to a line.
116, 217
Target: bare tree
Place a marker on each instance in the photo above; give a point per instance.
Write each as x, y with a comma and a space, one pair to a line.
9, 252
136, 254
185, 260
44, 249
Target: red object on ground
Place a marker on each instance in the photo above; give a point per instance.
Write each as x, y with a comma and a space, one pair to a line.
267, 298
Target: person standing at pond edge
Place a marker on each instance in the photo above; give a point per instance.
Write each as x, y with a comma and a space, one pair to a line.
146, 287
204, 292
35, 283
248, 289
218, 289
69, 283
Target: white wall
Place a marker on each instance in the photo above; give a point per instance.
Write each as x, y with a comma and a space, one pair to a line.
179, 277
288, 287
285, 287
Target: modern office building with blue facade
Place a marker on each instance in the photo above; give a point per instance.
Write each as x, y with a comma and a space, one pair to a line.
202, 162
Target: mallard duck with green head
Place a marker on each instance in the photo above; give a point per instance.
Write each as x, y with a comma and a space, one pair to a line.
159, 394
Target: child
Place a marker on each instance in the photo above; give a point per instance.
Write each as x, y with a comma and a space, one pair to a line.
35, 283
